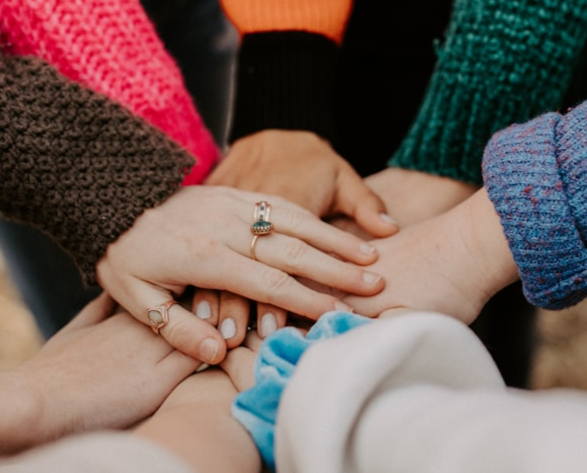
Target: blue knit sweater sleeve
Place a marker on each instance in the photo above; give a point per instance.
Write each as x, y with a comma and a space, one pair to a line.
257, 407
536, 176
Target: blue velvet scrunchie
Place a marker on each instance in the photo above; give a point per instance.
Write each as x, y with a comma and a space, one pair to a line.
257, 407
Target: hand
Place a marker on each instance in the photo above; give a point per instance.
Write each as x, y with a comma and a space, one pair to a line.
201, 237
101, 371
303, 168
411, 196
451, 264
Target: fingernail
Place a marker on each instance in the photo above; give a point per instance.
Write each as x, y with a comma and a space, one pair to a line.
228, 328
203, 310
203, 367
371, 278
367, 249
209, 350
342, 306
387, 219
268, 324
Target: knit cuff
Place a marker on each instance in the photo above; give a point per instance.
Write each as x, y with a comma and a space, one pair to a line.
502, 62
76, 165
285, 81
257, 407
535, 176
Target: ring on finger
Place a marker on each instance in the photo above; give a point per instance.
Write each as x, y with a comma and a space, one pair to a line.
261, 226
159, 315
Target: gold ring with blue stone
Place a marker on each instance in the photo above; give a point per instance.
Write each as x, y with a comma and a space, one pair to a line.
262, 225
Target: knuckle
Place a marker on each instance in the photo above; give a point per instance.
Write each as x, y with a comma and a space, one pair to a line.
275, 281
295, 217
176, 333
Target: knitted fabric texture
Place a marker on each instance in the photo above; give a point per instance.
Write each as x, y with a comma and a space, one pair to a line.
111, 47
503, 62
257, 407
75, 164
285, 80
536, 177
326, 17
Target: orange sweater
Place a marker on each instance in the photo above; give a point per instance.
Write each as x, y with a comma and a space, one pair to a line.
325, 17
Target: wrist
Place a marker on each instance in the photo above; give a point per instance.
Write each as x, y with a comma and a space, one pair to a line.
492, 263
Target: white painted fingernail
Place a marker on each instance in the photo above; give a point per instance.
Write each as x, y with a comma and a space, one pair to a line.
367, 249
228, 328
387, 219
342, 306
203, 310
268, 324
203, 367
371, 278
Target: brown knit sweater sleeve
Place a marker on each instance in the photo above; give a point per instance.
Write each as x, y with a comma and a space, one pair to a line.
75, 164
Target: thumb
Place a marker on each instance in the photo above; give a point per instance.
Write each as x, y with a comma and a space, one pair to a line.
360, 203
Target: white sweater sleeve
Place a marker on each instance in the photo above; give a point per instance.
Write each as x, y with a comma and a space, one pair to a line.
419, 393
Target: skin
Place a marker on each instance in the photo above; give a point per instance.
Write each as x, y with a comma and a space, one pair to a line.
411, 196
100, 371
449, 263
452, 263
303, 168
148, 264
396, 187
195, 421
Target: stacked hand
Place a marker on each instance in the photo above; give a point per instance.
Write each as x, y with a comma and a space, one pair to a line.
101, 371
201, 236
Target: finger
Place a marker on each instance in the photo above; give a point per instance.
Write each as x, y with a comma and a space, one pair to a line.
293, 221
259, 282
253, 341
239, 364
233, 318
183, 331
94, 312
176, 366
269, 319
295, 257
355, 199
205, 305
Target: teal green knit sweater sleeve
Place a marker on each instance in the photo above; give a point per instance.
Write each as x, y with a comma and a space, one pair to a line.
502, 61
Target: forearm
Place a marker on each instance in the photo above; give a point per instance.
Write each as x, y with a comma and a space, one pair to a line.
201, 429
20, 412
75, 164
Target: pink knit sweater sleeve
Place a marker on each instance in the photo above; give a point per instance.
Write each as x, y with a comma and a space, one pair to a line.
111, 47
